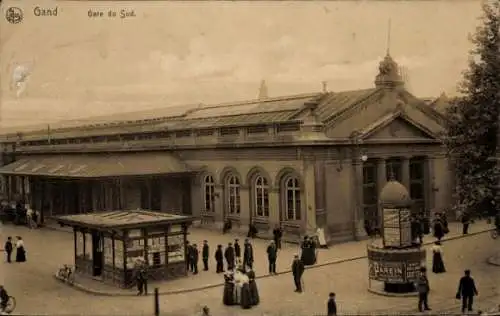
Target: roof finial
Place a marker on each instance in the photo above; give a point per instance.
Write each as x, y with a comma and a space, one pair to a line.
388, 37
263, 90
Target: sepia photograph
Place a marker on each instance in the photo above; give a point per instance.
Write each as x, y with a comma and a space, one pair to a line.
259, 158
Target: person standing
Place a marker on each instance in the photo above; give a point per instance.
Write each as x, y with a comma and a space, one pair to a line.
467, 290
252, 230
219, 260
8, 249
188, 255
237, 251
272, 254
423, 289
438, 228
254, 291
278, 234
297, 271
229, 256
194, 259
29, 216
437, 258
331, 305
465, 223
247, 255
20, 250
141, 280
205, 254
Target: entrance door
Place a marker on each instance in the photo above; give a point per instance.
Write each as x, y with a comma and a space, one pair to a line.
97, 254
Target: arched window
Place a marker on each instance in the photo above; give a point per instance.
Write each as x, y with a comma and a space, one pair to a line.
209, 186
292, 199
233, 195
261, 196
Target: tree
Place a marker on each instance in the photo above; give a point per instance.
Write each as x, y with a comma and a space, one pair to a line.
472, 139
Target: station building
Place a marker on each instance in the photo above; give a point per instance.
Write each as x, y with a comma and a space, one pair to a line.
303, 161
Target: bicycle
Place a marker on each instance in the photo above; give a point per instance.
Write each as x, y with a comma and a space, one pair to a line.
66, 273
494, 233
10, 306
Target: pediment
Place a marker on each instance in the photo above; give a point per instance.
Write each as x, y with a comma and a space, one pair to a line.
396, 127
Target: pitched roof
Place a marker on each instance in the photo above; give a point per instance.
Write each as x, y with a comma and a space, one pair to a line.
330, 106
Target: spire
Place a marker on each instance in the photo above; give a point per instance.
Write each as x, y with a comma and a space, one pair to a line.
325, 86
388, 52
389, 75
263, 90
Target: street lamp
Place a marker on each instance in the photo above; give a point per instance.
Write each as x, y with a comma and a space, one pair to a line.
364, 158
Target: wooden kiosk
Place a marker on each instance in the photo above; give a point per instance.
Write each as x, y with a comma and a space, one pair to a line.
109, 244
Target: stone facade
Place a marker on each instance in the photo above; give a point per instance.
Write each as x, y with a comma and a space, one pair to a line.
318, 164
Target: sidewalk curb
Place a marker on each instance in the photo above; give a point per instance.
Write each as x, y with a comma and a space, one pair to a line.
211, 286
493, 261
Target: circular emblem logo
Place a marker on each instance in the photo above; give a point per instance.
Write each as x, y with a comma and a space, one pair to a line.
14, 15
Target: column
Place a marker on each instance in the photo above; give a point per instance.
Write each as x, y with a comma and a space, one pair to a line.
381, 181
381, 174
197, 196
219, 205
309, 193
245, 209
405, 172
429, 184
275, 204
358, 212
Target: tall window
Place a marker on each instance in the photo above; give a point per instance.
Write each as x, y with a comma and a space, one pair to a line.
293, 206
233, 194
394, 168
261, 196
209, 185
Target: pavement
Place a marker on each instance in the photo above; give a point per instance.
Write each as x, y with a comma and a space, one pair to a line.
342, 269
336, 254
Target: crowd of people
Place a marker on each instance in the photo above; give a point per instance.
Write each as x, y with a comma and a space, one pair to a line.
9, 248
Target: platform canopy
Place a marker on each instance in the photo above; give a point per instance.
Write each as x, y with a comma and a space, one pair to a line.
97, 165
122, 219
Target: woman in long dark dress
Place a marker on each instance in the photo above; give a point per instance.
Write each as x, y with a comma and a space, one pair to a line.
438, 229
254, 292
228, 297
20, 251
437, 258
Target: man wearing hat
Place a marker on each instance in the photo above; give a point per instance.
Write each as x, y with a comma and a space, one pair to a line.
297, 271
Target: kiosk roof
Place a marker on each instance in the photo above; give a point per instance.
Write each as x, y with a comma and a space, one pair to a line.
122, 219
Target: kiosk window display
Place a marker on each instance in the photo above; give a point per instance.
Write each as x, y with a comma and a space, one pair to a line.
110, 245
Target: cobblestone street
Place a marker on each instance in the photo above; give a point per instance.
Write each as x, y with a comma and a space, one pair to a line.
37, 292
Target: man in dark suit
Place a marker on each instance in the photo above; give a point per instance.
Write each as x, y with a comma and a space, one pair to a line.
467, 290
8, 249
272, 254
277, 234
189, 253
423, 289
219, 259
247, 255
229, 255
194, 259
205, 253
297, 271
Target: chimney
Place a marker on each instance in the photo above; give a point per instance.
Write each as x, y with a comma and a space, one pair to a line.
263, 90
325, 86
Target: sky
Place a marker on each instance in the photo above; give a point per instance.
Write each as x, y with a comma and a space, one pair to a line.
174, 53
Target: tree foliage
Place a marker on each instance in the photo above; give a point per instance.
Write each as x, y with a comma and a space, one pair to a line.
472, 138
